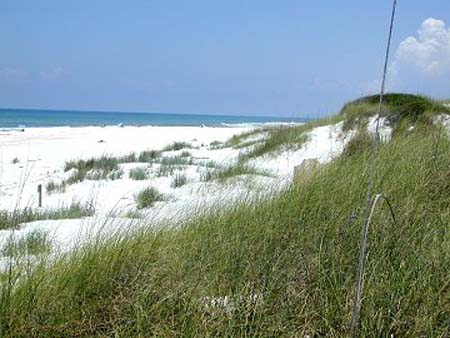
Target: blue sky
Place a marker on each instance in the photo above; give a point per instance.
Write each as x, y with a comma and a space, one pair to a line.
281, 58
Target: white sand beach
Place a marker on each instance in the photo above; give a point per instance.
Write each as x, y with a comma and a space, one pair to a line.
42, 152
37, 156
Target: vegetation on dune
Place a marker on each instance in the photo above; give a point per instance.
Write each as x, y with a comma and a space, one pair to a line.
224, 173
278, 268
283, 267
52, 187
138, 174
169, 164
105, 167
216, 145
284, 137
34, 243
178, 180
149, 156
177, 146
396, 108
12, 219
247, 138
147, 197
103, 163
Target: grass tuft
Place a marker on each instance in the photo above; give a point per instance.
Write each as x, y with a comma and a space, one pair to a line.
178, 181
34, 243
10, 220
53, 187
223, 174
147, 197
138, 174
177, 146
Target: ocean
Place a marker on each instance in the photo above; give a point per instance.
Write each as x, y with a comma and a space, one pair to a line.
14, 118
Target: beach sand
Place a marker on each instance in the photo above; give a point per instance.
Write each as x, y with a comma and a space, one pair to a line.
42, 153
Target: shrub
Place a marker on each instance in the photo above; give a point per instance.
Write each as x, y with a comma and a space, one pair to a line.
216, 145
15, 160
52, 187
149, 156
177, 146
138, 174
147, 197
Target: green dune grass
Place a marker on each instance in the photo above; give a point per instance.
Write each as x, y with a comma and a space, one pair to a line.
280, 267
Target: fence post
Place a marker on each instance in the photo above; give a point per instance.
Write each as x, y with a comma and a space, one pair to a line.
39, 189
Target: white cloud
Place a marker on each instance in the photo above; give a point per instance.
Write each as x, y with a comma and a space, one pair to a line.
427, 54
421, 63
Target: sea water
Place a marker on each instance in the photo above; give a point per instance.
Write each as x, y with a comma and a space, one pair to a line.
14, 118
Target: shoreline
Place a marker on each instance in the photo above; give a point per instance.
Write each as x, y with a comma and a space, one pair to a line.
22, 128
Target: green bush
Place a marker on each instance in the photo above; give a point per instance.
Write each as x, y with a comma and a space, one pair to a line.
147, 197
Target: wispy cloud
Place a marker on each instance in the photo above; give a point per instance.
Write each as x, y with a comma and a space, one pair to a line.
13, 73
52, 74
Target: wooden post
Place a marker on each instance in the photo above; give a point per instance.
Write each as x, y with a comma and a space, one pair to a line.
39, 189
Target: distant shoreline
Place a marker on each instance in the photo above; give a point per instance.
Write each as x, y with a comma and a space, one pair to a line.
32, 118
